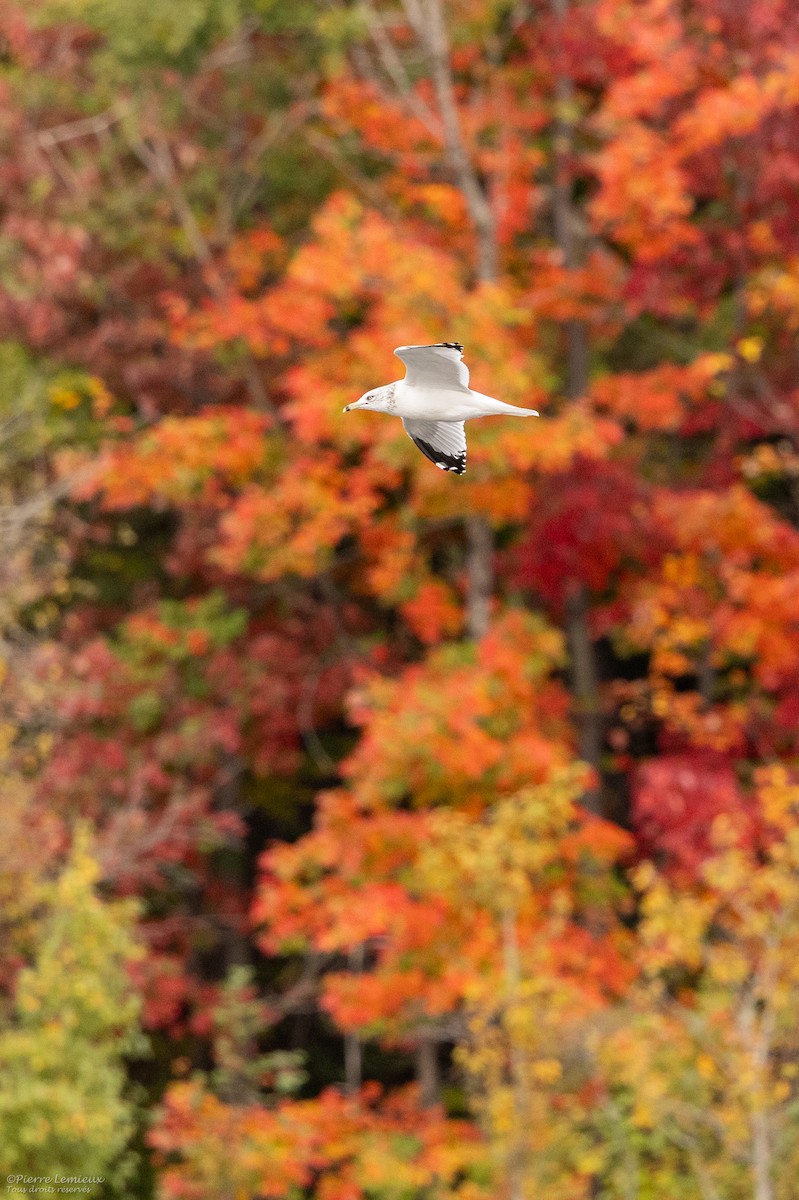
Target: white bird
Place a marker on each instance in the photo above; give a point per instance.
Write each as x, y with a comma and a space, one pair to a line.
433, 400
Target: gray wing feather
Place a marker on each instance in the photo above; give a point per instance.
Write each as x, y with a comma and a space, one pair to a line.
443, 442
438, 367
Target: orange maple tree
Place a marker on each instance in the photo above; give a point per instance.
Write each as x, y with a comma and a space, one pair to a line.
469, 772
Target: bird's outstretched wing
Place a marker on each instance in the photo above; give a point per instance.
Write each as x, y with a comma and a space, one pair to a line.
443, 442
439, 366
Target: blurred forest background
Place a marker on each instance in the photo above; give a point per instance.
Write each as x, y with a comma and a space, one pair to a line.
369, 833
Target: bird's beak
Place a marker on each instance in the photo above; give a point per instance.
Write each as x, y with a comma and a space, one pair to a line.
346, 408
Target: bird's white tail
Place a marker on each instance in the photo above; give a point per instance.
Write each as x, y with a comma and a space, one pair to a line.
495, 407
499, 406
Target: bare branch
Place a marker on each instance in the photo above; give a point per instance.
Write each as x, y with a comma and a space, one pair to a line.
394, 68
329, 149
156, 156
84, 127
430, 28
15, 518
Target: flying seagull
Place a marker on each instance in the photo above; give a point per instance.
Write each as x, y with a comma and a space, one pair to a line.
433, 400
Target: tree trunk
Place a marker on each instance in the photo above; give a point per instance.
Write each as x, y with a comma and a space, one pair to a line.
761, 1156
429, 24
585, 686
480, 569
427, 1075
585, 672
563, 218
353, 1052
353, 1064
517, 1155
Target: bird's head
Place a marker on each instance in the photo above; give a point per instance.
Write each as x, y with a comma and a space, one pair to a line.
378, 400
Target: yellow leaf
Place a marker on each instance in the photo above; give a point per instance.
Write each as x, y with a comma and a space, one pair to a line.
546, 1070
750, 348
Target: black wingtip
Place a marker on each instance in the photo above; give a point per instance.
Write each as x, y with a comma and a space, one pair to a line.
452, 346
456, 463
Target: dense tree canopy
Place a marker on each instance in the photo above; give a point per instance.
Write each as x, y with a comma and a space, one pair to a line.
372, 833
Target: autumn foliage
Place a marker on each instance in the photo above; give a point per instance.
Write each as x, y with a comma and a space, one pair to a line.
368, 832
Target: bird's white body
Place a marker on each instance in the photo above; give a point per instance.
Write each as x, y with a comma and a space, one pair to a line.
433, 401
414, 402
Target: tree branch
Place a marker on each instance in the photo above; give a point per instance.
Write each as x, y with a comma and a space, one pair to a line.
430, 28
